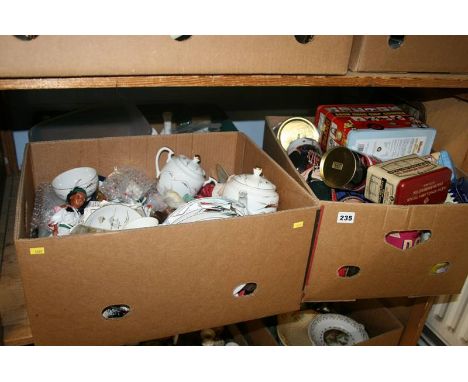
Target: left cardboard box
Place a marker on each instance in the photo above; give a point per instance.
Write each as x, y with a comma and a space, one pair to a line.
175, 279
68, 56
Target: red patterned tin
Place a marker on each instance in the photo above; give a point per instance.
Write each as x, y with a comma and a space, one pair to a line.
336, 121
407, 180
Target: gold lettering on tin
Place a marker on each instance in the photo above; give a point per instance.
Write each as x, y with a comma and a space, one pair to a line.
337, 166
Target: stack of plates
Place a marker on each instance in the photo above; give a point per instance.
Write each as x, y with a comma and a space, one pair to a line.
202, 209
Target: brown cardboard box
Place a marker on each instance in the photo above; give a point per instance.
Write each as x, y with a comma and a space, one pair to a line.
383, 328
450, 115
385, 271
64, 56
446, 54
176, 278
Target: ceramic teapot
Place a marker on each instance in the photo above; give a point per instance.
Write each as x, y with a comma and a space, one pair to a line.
255, 192
180, 174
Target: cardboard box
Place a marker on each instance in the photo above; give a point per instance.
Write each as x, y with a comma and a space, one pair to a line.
449, 115
383, 328
176, 278
64, 56
385, 271
445, 54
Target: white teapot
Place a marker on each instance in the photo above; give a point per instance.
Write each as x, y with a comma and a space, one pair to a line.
180, 174
255, 192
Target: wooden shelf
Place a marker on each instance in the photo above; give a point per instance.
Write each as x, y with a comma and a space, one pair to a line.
413, 80
16, 328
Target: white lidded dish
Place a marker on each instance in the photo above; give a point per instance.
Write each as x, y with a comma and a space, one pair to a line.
254, 191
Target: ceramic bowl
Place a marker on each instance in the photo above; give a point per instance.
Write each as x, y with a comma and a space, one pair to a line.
84, 177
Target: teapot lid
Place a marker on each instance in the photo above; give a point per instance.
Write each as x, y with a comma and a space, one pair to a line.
190, 164
255, 180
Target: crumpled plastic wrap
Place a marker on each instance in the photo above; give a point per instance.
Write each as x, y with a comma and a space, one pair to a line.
154, 200
126, 184
44, 207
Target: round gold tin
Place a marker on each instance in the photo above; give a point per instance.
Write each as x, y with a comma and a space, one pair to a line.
338, 167
294, 128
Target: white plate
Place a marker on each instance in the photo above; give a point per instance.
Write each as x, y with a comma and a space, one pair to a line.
204, 216
112, 217
336, 330
143, 222
201, 209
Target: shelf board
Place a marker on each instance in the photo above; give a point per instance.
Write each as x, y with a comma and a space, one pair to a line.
411, 80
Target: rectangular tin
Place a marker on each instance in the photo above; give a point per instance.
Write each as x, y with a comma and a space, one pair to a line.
392, 143
336, 121
407, 180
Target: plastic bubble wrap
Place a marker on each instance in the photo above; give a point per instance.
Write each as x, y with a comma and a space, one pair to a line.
155, 200
126, 184
44, 204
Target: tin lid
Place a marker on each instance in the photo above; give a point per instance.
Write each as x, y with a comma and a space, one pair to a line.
337, 167
294, 128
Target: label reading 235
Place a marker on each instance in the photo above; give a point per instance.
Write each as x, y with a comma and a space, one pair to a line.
345, 217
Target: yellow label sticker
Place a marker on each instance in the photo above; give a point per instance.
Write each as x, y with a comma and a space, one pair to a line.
37, 251
298, 225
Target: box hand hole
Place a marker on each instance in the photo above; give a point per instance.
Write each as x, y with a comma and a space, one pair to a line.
304, 39
113, 312
243, 290
395, 42
26, 37
407, 239
180, 37
348, 271
439, 268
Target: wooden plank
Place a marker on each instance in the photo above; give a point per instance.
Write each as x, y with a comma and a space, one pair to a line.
14, 318
412, 313
17, 334
414, 80
8, 152
416, 320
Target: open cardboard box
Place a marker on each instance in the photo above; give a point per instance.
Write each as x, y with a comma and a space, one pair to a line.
385, 271
176, 278
383, 328
448, 54
62, 56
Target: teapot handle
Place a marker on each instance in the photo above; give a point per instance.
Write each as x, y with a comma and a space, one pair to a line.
210, 179
158, 154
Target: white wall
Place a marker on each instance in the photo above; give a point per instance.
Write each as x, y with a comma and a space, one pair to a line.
253, 129
21, 138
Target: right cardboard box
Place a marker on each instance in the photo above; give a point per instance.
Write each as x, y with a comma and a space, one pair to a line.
443, 54
384, 271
